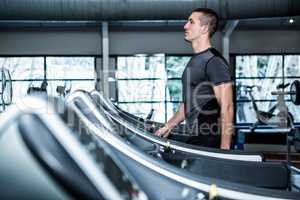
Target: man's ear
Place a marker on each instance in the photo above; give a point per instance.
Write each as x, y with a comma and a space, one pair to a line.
204, 29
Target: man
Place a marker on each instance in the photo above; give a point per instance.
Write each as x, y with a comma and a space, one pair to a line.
207, 87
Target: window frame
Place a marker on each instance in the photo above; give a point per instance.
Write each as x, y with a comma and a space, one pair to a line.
165, 101
233, 64
45, 68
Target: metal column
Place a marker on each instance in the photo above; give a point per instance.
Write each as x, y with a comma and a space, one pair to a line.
228, 29
105, 60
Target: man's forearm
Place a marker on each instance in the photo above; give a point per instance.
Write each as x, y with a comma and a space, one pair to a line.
227, 128
177, 118
224, 97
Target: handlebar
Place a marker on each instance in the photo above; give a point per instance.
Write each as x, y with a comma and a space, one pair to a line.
282, 86
282, 93
249, 88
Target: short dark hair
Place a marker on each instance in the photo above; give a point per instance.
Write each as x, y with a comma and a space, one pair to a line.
210, 18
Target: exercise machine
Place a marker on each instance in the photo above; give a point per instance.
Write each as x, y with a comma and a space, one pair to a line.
283, 116
6, 88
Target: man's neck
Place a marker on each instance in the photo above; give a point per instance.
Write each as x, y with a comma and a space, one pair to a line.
200, 45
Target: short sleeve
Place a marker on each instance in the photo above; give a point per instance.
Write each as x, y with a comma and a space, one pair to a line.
218, 71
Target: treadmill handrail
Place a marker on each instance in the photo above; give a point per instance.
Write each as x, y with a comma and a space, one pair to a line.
172, 144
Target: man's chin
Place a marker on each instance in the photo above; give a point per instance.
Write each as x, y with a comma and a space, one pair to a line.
187, 40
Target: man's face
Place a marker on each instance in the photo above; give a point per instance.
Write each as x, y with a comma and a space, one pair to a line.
193, 28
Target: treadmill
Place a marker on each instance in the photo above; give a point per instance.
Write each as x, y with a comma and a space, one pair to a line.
264, 175
42, 158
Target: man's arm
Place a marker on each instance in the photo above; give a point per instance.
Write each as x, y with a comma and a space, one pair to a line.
224, 97
178, 117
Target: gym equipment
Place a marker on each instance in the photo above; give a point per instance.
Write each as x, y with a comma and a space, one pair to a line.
283, 118
261, 116
6, 88
141, 164
265, 117
69, 157
64, 90
41, 158
295, 92
284, 113
167, 144
178, 131
40, 90
150, 114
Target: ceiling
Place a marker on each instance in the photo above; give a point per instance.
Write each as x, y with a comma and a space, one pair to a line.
146, 14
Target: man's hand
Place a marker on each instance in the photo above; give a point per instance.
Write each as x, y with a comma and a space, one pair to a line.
163, 132
176, 119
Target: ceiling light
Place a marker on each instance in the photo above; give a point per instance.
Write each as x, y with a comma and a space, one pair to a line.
291, 20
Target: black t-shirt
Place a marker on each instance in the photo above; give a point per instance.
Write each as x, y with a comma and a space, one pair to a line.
203, 71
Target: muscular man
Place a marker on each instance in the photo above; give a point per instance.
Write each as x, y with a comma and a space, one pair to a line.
207, 87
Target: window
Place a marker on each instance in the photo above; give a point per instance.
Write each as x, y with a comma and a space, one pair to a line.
25, 72
150, 82
72, 72
264, 72
174, 67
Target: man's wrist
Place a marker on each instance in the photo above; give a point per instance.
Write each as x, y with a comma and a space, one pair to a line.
225, 147
167, 127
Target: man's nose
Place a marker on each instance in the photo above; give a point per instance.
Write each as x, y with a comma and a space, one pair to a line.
185, 26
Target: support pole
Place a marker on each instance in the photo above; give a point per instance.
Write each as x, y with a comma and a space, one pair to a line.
105, 60
228, 29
